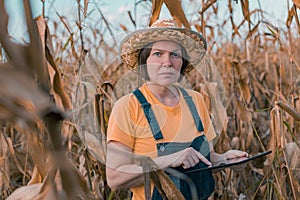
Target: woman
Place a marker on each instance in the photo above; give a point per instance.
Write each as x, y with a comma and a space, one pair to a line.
161, 120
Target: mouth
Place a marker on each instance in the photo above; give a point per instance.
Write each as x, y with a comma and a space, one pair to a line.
167, 74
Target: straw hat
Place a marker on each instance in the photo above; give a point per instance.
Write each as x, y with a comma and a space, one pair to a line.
164, 29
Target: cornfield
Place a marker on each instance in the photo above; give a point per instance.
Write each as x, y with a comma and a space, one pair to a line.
57, 91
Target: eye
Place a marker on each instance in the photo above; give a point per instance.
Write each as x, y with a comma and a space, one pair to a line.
157, 53
175, 54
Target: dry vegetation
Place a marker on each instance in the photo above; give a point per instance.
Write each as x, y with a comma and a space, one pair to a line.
57, 91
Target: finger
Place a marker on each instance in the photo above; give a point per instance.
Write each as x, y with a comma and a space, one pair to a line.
190, 161
246, 154
203, 159
185, 164
194, 159
237, 154
241, 153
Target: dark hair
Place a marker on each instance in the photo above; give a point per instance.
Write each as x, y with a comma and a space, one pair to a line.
144, 54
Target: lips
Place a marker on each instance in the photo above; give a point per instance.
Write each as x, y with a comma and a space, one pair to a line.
170, 73
167, 73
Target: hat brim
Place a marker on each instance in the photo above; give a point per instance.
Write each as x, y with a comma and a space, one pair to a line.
193, 42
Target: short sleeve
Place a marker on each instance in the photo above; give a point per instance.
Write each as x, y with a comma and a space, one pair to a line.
120, 125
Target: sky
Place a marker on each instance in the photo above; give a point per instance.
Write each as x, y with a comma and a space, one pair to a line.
116, 11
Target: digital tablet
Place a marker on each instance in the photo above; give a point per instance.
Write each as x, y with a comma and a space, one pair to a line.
231, 162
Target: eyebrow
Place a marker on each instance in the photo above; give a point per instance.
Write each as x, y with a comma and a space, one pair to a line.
175, 50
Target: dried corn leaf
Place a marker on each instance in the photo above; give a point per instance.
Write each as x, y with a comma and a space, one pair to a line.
250, 138
94, 146
29, 58
37, 151
123, 27
245, 9
290, 17
85, 8
234, 27
4, 165
41, 29
70, 39
235, 143
242, 111
14, 155
207, 5
168, 186
58, 85
274, 141
62, 100
28, 192
177, 13
290, 110
198, 28
14, 51
156, 7
175, 8
243, 81
245, 90
292, 152
39, 191
35, 177
252, 33
298, 26
19, 96
218, 111
71, 181
148, 166
35, 57
215, 9
297, 3
82, 164
290, 174
160, 179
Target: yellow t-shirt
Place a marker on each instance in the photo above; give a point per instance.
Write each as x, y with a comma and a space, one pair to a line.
129, 126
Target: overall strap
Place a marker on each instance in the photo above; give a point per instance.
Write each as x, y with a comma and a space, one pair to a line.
189, 101
157, 134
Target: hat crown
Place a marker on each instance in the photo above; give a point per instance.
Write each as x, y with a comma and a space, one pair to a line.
164, 23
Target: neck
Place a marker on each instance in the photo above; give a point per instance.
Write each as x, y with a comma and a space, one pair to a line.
166, 94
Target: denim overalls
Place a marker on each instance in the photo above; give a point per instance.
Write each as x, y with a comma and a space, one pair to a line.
202, 180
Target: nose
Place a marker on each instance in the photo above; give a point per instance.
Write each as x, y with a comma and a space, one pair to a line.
166, 60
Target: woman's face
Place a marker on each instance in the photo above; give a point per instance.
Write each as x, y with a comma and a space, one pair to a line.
164, 62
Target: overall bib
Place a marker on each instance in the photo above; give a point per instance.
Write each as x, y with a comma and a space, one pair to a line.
202, 180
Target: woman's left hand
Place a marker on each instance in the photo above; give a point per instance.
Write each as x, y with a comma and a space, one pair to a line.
232, 154
235, 154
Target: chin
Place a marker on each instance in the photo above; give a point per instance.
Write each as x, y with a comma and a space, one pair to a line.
166, 83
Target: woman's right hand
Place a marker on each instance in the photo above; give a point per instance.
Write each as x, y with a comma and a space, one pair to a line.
186, 158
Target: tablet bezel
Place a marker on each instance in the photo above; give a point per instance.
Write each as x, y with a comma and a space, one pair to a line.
231, 162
